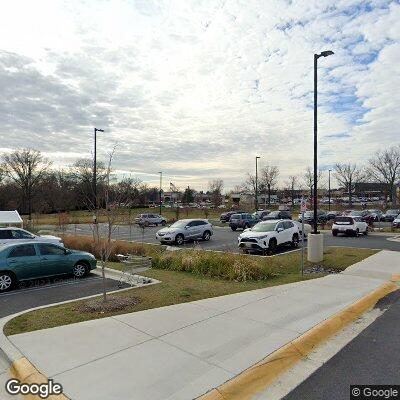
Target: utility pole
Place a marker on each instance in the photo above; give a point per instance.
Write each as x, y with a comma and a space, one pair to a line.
329, 190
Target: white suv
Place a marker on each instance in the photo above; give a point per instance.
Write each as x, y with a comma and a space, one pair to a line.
184, 230
349, 226
18, 235
266, 236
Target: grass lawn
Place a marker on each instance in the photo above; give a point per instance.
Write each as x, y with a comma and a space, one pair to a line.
179, 287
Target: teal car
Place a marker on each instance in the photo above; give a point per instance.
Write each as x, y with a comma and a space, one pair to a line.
32, 260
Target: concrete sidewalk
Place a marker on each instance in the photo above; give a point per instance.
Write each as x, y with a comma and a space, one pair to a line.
183, 351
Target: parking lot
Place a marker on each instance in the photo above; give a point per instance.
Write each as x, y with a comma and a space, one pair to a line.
224, 239
41, 292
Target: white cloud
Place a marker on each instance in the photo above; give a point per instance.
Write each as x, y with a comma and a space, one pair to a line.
198, 88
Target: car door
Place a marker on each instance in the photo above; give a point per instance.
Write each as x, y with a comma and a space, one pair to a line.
190, 230
24, 261
289, 230
280, 233
53, 260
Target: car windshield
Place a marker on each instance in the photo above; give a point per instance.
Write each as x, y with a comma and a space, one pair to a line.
343, 220
273, 214
393, 212
309, 213
264, 227
179, 224
235, 216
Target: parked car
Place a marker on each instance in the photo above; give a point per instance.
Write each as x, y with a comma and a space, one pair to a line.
242, 221
278, 215
150, 219
309, 217
396, 222
350, 226
375, 214
260, 214
18, 235
390, 215
39, 259
226, 216
307, 230
184, 230
330, 215
266, 236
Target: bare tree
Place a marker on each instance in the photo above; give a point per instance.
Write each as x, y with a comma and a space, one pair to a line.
308, 180
292, 184
215, 187
26, 168
384, 167
113, 197
82, 170
348, 175
269, 178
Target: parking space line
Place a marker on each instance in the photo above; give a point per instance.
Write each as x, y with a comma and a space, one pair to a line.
49, 286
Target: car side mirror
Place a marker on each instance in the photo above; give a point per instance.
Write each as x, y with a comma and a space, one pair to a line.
67, 251
186, 227
279, 230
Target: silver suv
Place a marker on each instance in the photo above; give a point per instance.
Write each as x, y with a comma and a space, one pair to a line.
184, 230
150, 219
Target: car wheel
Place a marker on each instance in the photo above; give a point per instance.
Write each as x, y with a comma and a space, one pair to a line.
366, 231
357, 232
7, 281
179, 239
334, 233
272, 246
246, 226
146, 224
80, 270
206, 236
295, 241
233, 228
163, 223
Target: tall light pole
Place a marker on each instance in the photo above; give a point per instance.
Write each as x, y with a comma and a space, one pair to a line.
160, 192
316, 56
329, 190
256, 202
95, 172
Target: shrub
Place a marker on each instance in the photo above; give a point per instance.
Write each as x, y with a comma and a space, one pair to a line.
229, 266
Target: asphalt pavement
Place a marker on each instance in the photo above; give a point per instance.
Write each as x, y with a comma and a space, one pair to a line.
372, 358
42, 292
224, 239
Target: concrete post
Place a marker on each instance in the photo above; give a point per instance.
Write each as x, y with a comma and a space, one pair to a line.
315, 247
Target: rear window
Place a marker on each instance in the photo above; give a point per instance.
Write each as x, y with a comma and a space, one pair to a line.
236, 216
343, 220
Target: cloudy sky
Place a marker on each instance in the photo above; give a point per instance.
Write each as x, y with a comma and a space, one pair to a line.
198, 88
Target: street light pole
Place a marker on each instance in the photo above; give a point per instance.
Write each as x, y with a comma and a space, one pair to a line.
256, 202
160, 192
316, 56
95, 172
329, 190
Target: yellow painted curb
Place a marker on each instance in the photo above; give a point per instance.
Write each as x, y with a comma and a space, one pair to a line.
260, 376
23, 370
396, 278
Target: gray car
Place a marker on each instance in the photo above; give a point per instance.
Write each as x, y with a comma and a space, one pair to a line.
150, 219
184, 230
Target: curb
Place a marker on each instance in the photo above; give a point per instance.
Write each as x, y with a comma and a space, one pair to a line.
19, 366
261, 375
